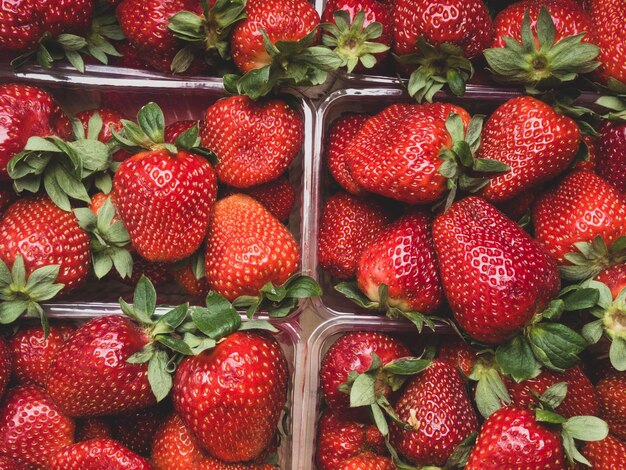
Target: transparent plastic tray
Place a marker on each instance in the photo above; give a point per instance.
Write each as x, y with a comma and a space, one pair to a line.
179, 100
290, 339
322, 338
477, 100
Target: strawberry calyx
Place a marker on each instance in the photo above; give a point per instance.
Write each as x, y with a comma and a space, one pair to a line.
352, 41
206, 34
67, 170
592, 257
110, 240
21, 295
543, 65
382, 303
279, 301
613, 99
181, 331
297, 63
491, 393
437, 66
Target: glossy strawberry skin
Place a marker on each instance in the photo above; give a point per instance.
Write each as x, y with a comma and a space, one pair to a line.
464, 23
581, 398
277, 196
609, 453
611, 160
403, 257
612, 391
608, 20
174, 447
396, 152
343, 435
111, 121
231, 397
27, 111
340, 135
353, 352
136, 430
282, 20
349, 224
184, 275
32, 428
530, 137
6, 362
98, 453
511, 438
32, 352
89, 375
494, 275
43, 234
165, 202
582, 207
93, 428
614, 277
254, 141
246, 248
174, 130
435, 403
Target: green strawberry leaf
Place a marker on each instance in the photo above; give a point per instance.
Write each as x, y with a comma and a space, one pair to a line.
586, 428
151, 120
169, 322
592, 332
617, 353
581, 299
460, 454
144, 300
407, 366
547, 416
556, 346
554, 395
159, 377
516, 359
218, 319
491, 393
363, 392
379, 419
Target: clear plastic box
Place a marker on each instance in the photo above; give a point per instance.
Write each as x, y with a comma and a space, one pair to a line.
180, 99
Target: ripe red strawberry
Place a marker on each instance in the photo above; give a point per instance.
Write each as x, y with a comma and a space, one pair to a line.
435, 405
164, 195
254, 141
210, 463
93, 428
32, 427
6, 361
495, 277
45, 235
190, 275
89, 375
456, 352
7, 196
348, 226
174, 447
512, 438
614, 277
27, 111
340, 135
246, 248
32, 352
580, 209
158, 273
612, 391
608, 22
131, 57
7, 463
111, 121
136, 430
343, 435
403, 258
609, 453
367, 461
592, 145
174, 130
519, 206
581, 398
97, 453
233, 419
277, 196
611, 160
353, 352
530, 137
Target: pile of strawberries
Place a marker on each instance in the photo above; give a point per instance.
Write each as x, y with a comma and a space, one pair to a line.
504, 234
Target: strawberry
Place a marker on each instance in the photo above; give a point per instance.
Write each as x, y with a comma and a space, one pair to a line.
234, 420
174, 447
609, 453
353, 352
7, 463
254, 141
611, 392
581, 398
32, 351
175, 129
27, 111
158, 273
349, 224
533, 140
131, 58
495, 277
111, 121
6, 360
440, 37
136, 430
519, 207
41, 241
591, 162
164, 195
190, 275
341, 133
614, 277
367, 461
277, 196
541, 43
361, 32
97, 453
435, 406
608, 22
213, 464
583, 213
93, 428
7, 196
246, 248
32, 428
611, 160
456, 352
343, 435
